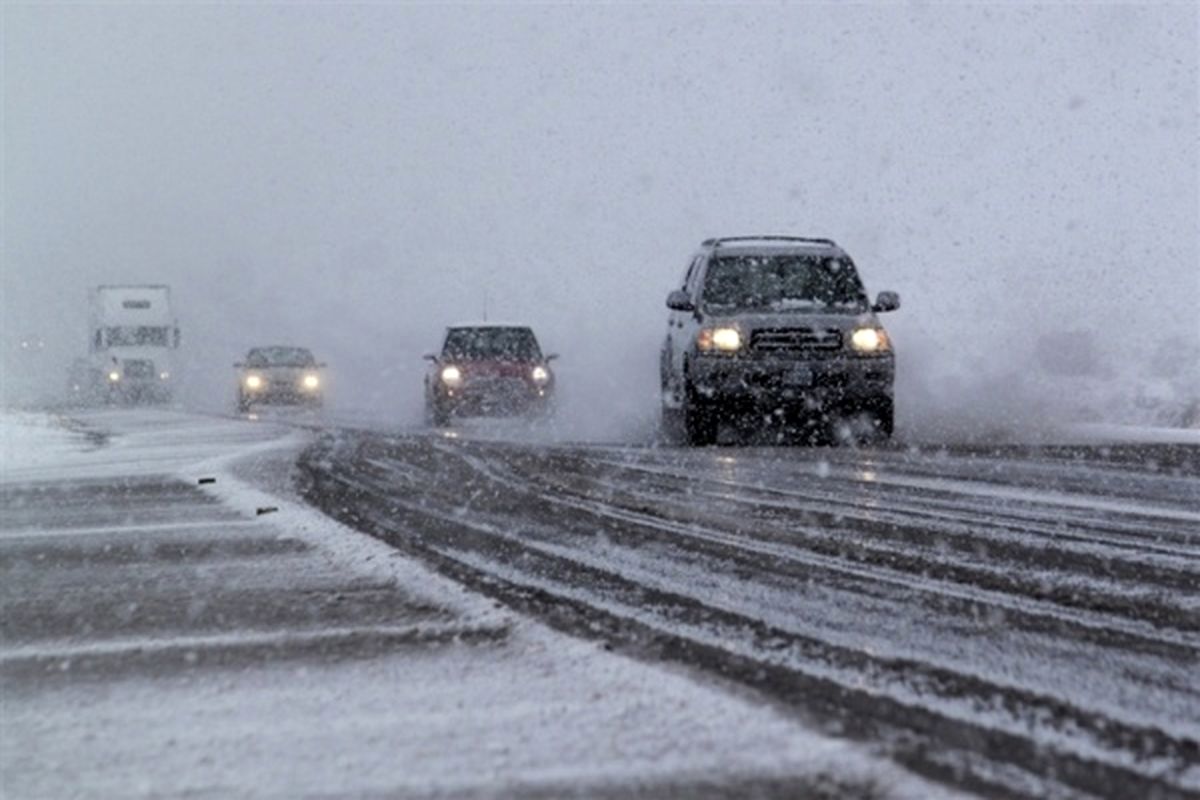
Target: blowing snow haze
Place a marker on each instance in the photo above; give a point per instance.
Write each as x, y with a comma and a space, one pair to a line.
353, 179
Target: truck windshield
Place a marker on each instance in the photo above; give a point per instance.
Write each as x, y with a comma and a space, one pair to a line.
137, 336
506, 344
782, 283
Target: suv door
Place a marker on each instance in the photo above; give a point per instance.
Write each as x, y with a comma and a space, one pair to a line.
681, 332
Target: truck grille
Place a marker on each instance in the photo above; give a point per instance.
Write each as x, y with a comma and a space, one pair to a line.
795, 340
139, 369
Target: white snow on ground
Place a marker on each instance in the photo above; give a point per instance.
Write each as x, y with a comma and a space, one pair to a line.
538, 710
32, 441
1096, 432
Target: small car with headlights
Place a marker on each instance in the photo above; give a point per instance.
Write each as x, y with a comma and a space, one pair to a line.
488, 369
769, 327
280, 375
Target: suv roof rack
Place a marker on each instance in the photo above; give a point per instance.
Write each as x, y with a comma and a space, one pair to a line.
717, 242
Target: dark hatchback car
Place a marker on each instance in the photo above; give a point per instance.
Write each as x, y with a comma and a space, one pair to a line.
280, 375
776, 327
488, 369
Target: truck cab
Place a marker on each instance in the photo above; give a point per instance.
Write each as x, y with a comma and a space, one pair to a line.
133, 336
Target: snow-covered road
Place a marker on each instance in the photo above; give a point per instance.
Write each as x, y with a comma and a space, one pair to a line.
1017, 620
174, 622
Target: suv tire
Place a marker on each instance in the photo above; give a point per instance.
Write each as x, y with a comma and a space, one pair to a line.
885, 415
437, 416
699, 421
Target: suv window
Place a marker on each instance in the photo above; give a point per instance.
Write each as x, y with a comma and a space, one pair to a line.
508, 344
785, 282
690, 275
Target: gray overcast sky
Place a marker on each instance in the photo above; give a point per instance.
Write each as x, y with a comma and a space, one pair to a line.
353, 177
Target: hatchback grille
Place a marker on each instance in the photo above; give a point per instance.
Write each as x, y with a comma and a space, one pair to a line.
792, 340
139, 369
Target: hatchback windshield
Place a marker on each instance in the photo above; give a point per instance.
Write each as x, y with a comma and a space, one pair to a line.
280, 357
507, 344
782, 283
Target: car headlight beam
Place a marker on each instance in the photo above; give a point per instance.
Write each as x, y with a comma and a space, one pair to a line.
114, 376
540, 374
311, 381
451, 375
722, 340
254, 382
870, 340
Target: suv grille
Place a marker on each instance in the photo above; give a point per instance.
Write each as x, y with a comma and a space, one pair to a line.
139, 369
792, 340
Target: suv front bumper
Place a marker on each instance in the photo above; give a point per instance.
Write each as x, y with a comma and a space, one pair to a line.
772, 381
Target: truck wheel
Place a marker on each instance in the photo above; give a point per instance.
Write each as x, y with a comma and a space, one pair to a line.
699, 421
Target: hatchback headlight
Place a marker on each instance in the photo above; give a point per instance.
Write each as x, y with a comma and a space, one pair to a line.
870, 340
721, 340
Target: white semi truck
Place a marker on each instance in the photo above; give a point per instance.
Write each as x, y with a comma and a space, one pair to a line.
133, 336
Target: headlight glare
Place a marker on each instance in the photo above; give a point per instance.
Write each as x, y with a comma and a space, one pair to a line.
254, 382
725, 340
869, 340
540, 374
114, 376
311, 381
451, 375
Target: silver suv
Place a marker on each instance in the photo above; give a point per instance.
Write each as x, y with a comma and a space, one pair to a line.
776, 326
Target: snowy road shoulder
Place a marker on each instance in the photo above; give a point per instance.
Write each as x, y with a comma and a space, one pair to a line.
166, 637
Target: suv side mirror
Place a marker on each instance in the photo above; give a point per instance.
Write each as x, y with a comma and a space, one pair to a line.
551, 356
886, 301
430, 357
321, 365
679, 300
239, 364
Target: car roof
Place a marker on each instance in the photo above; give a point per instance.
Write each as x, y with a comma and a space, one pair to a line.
458, 325
748, 245
278, 347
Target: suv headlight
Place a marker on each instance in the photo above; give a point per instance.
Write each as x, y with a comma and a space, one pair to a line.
254, 382
719, 340
311, 381
451, 376
870, 340
540, 374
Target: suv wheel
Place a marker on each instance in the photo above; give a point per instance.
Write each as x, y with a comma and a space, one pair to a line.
436, 416
699, 421
885, 416
868, 423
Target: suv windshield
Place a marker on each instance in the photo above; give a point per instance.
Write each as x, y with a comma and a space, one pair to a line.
782, 283
507, 344
280, 357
